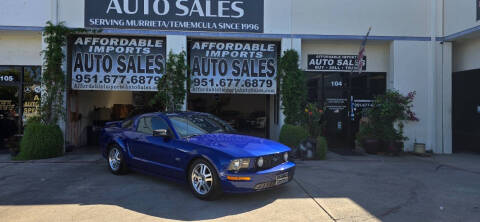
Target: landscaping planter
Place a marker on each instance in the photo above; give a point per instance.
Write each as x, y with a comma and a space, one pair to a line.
13, 144
394, 147
372, 146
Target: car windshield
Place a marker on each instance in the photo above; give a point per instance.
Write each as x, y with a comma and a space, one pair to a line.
194, 125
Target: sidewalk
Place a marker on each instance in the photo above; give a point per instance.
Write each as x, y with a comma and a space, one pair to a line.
76, 156
463, 161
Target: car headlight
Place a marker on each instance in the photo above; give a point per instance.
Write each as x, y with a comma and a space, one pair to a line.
260, 162
239, 164
285, 156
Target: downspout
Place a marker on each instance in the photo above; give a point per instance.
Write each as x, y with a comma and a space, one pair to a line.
431, 98
55, 11
431, 93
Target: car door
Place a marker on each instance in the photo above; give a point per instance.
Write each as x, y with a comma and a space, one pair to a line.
157, 150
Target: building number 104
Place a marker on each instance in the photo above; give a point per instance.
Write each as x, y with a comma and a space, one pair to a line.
337, 83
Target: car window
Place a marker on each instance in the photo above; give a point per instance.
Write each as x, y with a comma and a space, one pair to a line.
191, 125
148, 124
127, 124
159, 123
145, 125
185, 127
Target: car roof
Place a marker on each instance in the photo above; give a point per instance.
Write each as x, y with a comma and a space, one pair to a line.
185, 113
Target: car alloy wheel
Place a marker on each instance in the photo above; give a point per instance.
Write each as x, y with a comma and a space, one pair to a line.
202, 179
116, 161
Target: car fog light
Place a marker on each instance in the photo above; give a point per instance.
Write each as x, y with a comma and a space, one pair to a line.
260, 162
285, 157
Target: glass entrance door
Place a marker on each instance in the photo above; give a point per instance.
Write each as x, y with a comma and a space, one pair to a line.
9, 113
336, 108
20, 90
331, 90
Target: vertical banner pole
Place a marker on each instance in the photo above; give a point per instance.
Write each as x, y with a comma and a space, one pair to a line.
351, 99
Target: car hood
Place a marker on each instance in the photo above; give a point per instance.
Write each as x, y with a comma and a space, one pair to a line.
239, 145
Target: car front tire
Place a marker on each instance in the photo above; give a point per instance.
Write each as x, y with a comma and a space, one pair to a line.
116, 160
204, 181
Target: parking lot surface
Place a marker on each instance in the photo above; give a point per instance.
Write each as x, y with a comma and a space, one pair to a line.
367, 188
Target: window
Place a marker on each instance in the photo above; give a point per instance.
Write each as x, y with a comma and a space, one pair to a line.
193, 125
127, 124
145, 125
10, 74
32, 74
149, 124
159, 123
20, 96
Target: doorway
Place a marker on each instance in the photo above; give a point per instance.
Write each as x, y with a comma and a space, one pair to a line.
466, 111
330, 89
20, 92
245, 113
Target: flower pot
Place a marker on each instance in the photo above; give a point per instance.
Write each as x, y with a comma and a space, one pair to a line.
307, 149
14, 153
419, 148
394, 147
372, 146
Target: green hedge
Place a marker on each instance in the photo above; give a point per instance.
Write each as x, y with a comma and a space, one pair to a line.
322, 148
40, 141
292, 136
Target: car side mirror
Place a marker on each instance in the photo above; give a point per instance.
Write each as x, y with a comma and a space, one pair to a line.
161, 133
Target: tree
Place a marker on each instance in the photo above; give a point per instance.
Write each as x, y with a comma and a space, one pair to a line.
53, 77
172, 86
293, 88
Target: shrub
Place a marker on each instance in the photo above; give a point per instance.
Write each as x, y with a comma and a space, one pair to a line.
388, 111
292, 136
322, 148
293, 89
40, 141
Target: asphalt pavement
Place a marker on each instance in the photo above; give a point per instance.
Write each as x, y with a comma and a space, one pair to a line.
79, 187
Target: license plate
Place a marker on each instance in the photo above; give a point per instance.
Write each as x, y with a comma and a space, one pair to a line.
281, 179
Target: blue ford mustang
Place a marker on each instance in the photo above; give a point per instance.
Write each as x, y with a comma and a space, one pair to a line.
196, 148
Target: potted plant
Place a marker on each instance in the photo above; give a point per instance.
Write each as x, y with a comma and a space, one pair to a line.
368, 139
387, 117
317, 144
393, 140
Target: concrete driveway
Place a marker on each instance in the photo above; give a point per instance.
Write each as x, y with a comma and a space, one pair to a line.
367, 188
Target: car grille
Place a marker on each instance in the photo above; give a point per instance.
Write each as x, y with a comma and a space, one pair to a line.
263, 186
271, 161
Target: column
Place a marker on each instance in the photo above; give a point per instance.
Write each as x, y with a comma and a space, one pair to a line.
286, 44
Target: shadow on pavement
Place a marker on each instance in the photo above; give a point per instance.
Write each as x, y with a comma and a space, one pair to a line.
92, 184
393, 189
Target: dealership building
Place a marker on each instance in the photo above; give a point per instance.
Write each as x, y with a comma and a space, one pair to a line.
431, 47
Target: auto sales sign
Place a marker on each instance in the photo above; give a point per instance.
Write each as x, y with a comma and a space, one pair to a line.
341, 63
117, 63
233, 67
186, 15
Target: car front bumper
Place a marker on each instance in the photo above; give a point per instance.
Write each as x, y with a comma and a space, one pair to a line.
261, 180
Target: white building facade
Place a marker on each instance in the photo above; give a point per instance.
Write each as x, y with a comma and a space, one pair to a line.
414, 45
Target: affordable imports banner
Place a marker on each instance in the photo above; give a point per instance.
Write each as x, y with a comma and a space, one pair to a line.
233, 67
117, 63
